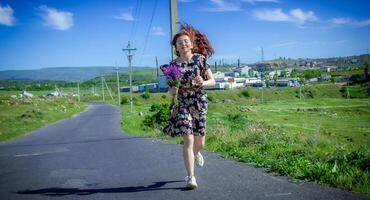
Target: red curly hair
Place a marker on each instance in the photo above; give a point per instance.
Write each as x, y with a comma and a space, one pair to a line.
199, 40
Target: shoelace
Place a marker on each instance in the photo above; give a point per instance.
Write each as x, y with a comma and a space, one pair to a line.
187, 178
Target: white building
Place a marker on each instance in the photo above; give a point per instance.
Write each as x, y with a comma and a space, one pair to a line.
243, 70
218, 74
250, 81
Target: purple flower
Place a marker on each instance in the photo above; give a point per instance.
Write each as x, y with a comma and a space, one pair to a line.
173, 74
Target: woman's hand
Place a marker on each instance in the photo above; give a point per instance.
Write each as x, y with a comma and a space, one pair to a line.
198, 80
173, 90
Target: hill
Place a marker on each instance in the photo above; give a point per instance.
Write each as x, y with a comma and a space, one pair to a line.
61, 73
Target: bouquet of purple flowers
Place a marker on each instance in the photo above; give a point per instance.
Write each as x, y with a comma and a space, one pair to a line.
173, 75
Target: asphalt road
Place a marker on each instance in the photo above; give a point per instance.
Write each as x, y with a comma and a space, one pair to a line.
88, 157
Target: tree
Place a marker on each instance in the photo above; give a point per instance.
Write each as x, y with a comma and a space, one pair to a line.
294, 73
275, 76
250, 73
366, 71
332, 79
283, 73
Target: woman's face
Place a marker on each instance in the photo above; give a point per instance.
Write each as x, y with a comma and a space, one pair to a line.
184, 44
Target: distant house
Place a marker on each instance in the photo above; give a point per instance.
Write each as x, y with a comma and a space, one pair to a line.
232, 74
293, 82
218, 74
325, 77
217, 86
329, 68
251, 81
259, 84
243, 70
272, 73
239, 83
282, 83
153, 87
135, 88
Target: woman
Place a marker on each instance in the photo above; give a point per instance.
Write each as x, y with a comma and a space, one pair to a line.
192, 49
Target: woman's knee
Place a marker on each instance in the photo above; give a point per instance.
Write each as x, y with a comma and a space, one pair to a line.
199, 142
188, 141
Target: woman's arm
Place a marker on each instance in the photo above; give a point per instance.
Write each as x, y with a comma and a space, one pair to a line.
210, 80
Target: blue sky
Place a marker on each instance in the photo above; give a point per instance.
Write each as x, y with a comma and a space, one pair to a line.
67, 33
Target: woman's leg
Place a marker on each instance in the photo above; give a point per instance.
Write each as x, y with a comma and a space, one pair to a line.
188, 153
199, 142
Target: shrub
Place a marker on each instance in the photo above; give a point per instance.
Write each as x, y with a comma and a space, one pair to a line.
124, 100
210, 98
244, 93
146, 94
159, 118
236, 121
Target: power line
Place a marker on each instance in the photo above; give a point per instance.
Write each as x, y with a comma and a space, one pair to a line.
136, 20
148, 31
150, 25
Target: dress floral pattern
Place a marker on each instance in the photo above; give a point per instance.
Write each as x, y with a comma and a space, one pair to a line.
190, 115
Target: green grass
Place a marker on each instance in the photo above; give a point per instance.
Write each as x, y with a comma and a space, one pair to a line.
353, 72
323, 139
20, 116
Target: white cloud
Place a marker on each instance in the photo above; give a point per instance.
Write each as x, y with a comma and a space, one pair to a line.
157, 30
284, 44
301, 17
296, 15
260, 1
223, 6
349, 21
271, 15
6, 16
59, 20
126, 16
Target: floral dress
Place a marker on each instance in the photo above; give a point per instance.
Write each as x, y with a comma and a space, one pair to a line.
189, 116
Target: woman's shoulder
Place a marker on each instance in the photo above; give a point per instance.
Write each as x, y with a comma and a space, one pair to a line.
199, 56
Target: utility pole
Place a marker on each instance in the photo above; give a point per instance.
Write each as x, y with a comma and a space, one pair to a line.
129, 57
215, 66
106, 85
174, 23
156, 64
102, 88
78, 90
118, 89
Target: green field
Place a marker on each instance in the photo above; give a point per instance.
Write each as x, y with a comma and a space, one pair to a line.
324, 139
20, 116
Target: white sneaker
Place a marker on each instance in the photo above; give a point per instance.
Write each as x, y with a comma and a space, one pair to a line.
199, 160
191, 182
